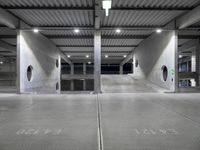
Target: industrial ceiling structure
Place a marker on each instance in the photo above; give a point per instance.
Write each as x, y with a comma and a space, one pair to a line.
70, 24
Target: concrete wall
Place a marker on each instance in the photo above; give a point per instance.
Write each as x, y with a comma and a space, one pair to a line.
152, 54
37, 51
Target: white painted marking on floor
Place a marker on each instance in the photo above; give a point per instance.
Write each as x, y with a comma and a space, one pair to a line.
162, 132
39, 132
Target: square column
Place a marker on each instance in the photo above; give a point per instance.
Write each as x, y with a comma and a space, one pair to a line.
72, 81
121, 69
84, 73
97, 62
198, 63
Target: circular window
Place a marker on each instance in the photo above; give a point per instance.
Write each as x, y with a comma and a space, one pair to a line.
136, 63
29, 73
164, 72
57, 63
57, 86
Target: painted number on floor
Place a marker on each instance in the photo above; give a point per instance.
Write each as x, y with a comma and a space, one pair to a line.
162, 132
39, 132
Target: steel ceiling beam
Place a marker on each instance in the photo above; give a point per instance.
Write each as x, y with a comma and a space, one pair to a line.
85, 52
8, 19
92, 28
92, 46
7, 47
137, 8
128, 58
189, 18
103, 36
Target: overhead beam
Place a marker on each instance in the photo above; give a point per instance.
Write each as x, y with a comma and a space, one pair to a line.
92, 28
137, 8
8, 19
85, 36
103, 36
97, 14
189, 19
86, 52
188, 46
7, 47
65, 58
128, 58
47, 8
91, 46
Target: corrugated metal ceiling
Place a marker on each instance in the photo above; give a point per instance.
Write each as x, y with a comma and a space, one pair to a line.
67, 33
85, 18
139, 18
69, 3
91, 49
90, 3
56, 17
154, 3
83, 42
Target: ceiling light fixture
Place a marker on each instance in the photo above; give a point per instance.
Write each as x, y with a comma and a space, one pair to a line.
158, 30
125, 56
1, 62
118, 31
87, 56
76, 30
89, 62
68, 56
180, 56
107, 5
35, 30
106, 56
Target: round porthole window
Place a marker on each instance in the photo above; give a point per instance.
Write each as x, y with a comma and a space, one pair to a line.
29, 73
57, 86
136, 63
57, 63
164, 73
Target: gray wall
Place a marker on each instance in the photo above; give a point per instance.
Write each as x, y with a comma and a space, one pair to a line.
37, 51
152, 54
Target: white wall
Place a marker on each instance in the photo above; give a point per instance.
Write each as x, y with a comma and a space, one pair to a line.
37, 51
152, 54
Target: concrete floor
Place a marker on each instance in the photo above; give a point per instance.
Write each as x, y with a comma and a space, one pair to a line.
143, 121
140, 119
127, 84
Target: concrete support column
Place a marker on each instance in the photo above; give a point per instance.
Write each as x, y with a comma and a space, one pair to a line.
187, 69
121, 69
176, 71
72, 81
97, 61
84, 73
198, 63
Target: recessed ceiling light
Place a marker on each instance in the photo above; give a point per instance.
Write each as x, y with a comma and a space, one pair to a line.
106, 56
107, 5
1, 62
76, 30
35, 30
180, 56
118, 31
159, 30
89, 62
68, 56
125, 56
87, 56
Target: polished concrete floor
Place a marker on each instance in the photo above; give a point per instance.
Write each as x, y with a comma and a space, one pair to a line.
127, 84
137, 121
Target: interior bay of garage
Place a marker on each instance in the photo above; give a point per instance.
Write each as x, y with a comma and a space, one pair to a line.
73, 78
